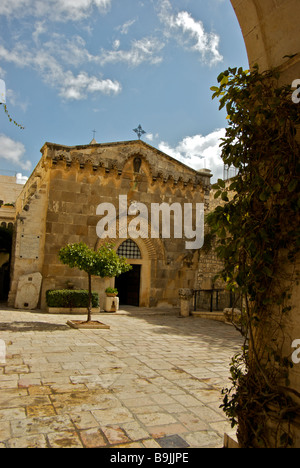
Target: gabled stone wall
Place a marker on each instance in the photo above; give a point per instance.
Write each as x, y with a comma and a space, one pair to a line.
64, 193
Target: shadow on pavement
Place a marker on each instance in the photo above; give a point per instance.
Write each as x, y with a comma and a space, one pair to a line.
32, 326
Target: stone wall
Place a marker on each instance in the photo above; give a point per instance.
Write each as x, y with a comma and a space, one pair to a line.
64, 193
29, 232
9, 192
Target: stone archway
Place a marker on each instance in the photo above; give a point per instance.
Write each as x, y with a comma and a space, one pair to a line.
271, 33
131, 285
152, 253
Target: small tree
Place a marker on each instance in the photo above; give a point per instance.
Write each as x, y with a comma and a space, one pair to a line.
104, 262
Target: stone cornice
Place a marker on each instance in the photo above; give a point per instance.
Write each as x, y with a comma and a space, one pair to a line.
95, 157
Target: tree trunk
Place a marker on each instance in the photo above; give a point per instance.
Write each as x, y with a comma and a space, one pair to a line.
89, 317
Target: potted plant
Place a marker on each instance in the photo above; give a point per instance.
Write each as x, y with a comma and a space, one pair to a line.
104, 262
111, 292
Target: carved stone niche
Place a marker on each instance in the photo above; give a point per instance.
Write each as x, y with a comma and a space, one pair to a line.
137, 162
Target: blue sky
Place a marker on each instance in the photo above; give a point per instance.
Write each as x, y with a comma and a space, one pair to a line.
72, 66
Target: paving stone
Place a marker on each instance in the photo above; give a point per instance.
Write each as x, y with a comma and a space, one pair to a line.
113, 415
67, 439
40, 425
173, 441
203, 439
12, 413
92, 438
115, 435
84, 420
166, 430
66, 388
38, 411
35, 441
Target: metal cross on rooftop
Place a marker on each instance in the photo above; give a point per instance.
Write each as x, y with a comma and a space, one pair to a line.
139, 131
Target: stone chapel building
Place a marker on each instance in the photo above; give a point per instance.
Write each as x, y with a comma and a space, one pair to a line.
58, 205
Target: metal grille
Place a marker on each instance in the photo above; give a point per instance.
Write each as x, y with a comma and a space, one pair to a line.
129, 249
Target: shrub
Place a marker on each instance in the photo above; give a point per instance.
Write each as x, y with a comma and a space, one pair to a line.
111, 290
70, 298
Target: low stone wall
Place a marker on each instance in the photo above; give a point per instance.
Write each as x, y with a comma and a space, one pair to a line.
218, 316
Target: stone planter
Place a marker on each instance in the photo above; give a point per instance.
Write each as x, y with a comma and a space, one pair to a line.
77, 324
111, 303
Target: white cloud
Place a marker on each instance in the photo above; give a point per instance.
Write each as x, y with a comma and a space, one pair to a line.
77, 87
151, 137
69, 86
197, 39
126, 26
13, 151
190, 33
40, 29
116, 44
14, 98
199, 152
59, 10
143, 50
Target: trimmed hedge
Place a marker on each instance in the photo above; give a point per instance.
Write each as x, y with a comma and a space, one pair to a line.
70, 298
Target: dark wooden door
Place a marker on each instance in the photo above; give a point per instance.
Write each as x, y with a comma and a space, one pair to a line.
128, 286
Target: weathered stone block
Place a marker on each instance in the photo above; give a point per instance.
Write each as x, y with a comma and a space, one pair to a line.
28, 291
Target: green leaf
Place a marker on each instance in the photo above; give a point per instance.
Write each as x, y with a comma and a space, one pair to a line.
225, 197
264, 196
277, 187
224, 80
292, 185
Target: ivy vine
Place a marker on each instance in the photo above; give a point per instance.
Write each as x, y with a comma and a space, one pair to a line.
11, 119
257, 229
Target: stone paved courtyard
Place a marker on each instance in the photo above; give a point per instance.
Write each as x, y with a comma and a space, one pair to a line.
152, 380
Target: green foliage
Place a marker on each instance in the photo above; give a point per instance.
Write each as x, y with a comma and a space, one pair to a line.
260, 142
256, 224
104, 262
111, 290
70, 298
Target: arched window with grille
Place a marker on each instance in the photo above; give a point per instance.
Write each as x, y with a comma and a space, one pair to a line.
129, 249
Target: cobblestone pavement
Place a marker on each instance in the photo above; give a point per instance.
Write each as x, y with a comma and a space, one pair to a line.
152, 380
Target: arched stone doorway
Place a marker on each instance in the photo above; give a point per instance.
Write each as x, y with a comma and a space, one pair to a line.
145, 265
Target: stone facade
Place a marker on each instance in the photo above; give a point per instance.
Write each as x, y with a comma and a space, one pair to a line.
58, 205
10, 189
